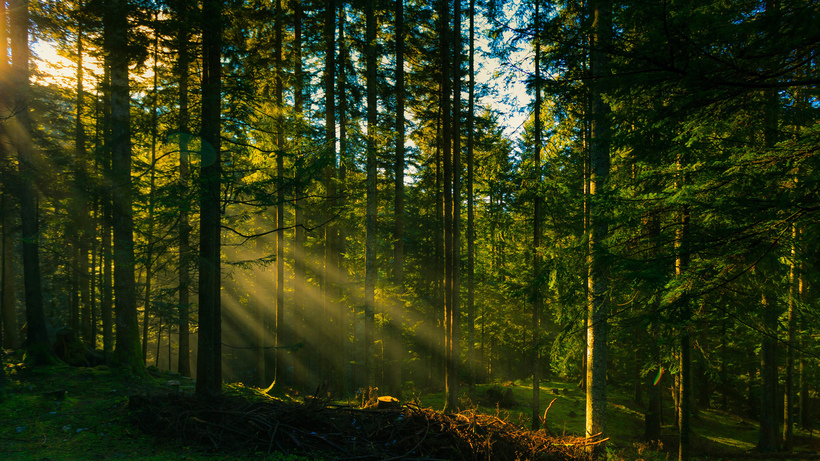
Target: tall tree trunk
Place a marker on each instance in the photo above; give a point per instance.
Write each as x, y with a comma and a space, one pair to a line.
331, 253
149, 254
340, 244
451, 393
471, 357
767, 440
297, 309
280, 341
8, 298
106, 244
789, 393
127, 351
437, 350
455, 314
209, 355
537, 301
372, 203
394, 325
183, 62
598, 227
685, 365
38, 349
82, 223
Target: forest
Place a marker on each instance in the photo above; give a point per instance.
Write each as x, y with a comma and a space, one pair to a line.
422, 197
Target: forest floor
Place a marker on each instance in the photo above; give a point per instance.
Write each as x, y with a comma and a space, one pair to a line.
66, 413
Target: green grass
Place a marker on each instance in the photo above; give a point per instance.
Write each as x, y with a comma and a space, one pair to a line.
66, 413
91, 420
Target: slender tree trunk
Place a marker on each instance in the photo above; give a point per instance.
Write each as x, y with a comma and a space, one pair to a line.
767, 441
471, 357
598, 227
10, 336
537, 301
298, 248
278, 353
804, 401
82, 226
340, 244
38, 349
9, 309
149, 255
450, 381
394, 327
455, 320
685, 376
209, 355
437, 351
331, 253
789, 393
159, 342
372, 203
106, 244
183, 61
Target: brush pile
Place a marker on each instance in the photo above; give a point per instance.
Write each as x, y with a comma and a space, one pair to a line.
318, 430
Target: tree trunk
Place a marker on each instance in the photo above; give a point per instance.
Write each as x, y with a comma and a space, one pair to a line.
183, 61
38, 349
767, 439
471, 357
331, 253
682, 259
598, 227
789, 393
537, 301
450, 391
8, 298
394, 327
81, 221
127, 351
342, 332
149, 254
106, 245
209, 355
372, 203
280, 341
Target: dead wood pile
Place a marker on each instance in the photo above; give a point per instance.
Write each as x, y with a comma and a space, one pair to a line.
320, 431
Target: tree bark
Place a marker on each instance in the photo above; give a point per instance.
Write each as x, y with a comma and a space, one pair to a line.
127, 350
394, 325
38, 349
372, 203
471, 356
597, 328
209, 377
183, 62
685, 378
537, 301
789, 392
451, 393
331, 228
342, 332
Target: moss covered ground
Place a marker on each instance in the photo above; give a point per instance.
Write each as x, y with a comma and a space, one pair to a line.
67, 413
